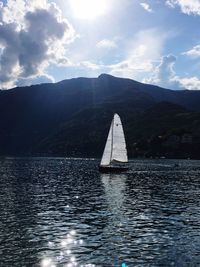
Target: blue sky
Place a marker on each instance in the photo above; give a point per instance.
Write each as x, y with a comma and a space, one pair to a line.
152, 41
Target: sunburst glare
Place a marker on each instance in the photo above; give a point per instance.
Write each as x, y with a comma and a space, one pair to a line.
88, 9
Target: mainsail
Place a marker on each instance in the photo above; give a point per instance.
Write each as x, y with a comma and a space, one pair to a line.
115, 148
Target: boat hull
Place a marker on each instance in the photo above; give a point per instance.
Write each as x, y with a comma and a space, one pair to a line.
112, 169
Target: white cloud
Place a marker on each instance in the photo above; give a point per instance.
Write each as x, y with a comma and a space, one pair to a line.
146, 7
105, 43
194, 52
35, 80
145, 50
187, 6
164, 73
33, 34
131, 68
191, 83
139, 58
170, 3
91, 65
165, 76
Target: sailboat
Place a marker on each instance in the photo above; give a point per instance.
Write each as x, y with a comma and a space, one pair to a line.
115, 157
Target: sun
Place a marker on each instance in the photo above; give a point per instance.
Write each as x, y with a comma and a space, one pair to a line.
88, 9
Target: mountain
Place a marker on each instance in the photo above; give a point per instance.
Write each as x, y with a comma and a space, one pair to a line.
146, 132
72, 117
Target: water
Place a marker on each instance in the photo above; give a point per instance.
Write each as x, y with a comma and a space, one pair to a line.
62, 212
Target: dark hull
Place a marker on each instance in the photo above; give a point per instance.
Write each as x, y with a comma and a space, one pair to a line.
112, 169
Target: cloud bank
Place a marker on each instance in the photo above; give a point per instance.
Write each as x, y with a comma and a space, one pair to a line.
187, 6
164, 73
33, 34
194, 52
145, 49
165, 76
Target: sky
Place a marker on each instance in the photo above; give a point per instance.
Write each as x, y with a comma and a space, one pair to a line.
151, 41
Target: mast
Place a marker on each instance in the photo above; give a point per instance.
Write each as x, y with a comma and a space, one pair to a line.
106, 158
112, 124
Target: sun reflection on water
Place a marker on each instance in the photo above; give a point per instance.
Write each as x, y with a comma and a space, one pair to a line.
47, 262
66, 246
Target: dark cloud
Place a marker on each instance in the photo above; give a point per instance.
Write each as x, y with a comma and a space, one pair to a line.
9, 39
29, 44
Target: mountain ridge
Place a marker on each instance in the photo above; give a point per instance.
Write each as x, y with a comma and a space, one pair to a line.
34, 118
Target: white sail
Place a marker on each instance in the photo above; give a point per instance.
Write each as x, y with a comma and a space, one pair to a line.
115, 149
119, 152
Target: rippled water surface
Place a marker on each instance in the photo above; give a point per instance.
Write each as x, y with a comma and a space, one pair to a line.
62, 212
